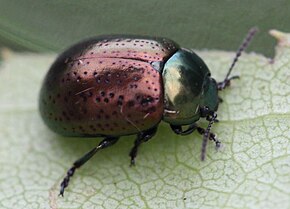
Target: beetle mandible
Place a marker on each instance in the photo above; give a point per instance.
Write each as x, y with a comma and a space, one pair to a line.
112, 86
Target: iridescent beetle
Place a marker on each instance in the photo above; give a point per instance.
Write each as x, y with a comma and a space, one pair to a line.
112, 86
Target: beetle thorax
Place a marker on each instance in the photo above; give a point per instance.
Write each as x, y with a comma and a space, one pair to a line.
184, 75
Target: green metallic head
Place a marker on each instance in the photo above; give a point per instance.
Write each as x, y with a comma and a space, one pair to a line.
187, 88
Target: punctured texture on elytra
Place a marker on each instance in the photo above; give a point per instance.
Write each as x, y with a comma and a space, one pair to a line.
95, 90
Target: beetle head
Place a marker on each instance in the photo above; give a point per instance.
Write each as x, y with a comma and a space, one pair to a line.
210, 97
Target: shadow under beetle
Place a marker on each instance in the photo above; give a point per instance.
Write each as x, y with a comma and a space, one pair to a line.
111, 86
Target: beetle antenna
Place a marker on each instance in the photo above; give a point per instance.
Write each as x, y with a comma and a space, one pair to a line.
206, 135
222, 85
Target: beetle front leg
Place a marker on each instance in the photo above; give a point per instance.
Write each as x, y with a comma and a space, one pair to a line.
212, 136
178, 129
141, 137
108, 141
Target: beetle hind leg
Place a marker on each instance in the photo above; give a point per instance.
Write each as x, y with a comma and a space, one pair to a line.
141, 137
108, 141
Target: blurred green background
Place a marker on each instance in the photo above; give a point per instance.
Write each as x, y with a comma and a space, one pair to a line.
41, 25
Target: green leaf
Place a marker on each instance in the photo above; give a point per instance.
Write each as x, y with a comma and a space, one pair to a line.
250, 171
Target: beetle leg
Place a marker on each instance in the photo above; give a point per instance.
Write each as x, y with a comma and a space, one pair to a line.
141, 137
193, 127
178, 129
108, 141
212, 136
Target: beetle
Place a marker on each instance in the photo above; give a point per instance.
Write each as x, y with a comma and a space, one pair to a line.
117, 85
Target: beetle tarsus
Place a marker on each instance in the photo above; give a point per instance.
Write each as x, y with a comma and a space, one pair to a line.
108, 141
65, 181
134, 150
141, 137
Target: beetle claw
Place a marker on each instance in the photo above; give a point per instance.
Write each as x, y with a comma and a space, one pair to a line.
217, 145
61, 193
65, 181
132, 164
